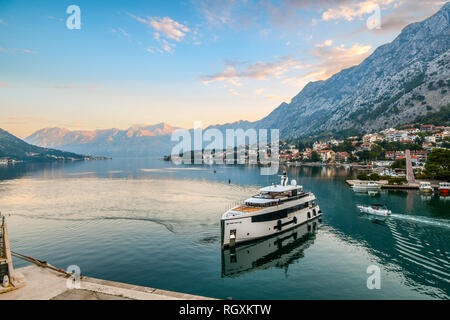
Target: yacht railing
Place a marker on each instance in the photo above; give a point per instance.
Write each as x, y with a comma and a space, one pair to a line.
242, 202
235, 204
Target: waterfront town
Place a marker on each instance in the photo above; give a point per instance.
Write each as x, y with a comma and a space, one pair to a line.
384, 147
379, 154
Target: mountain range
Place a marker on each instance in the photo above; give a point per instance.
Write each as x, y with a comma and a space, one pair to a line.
138, 140
14, 148
398, 83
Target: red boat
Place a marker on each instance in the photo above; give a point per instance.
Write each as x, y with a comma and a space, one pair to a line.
444, 188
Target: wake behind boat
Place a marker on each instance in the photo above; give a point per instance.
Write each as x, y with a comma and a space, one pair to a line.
275, 209
376, 209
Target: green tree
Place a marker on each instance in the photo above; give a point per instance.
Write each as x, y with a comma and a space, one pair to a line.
438, 164
315, 157
399, 164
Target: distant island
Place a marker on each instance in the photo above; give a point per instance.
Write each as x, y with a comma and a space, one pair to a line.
13, 150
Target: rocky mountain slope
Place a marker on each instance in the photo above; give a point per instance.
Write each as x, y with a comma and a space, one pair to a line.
14, 148
400, 81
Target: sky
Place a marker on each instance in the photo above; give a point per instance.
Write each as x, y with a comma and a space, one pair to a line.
145, 62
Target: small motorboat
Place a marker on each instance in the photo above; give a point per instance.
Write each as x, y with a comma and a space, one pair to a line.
376, 209
425, 187
366, 186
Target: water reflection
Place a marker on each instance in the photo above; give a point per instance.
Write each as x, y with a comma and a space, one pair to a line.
278, 251
423, 256
157, 214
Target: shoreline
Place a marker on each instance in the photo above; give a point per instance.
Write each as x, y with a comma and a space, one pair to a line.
45, 284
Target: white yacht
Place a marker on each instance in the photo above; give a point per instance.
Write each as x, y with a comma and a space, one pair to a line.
275, 209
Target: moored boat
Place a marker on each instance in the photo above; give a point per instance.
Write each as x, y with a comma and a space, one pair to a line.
425, 187
444, 188
366, 186
275, 209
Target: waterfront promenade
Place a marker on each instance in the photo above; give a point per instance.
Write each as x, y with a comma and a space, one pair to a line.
45, 284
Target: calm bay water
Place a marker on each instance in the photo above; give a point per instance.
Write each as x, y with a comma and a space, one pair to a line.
149, 223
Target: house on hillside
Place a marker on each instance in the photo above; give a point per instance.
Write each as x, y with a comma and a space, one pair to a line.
342, 156
327, 155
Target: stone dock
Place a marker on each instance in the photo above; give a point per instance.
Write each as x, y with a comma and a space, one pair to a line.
385, 185
44, 284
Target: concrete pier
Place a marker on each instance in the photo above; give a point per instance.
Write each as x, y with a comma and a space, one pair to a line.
45, 284
385, 185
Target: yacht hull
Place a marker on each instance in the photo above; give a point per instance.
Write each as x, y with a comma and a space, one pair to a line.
238, 230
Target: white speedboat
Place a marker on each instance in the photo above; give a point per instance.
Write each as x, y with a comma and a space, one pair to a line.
275, 209
366, 186
376, 209
425, 187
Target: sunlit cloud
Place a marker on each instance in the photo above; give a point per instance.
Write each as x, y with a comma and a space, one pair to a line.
170, 28
331, 60
166, 29
4, 84
167, 47
351, 11
259, 91
403, 14
166, 26
259, 71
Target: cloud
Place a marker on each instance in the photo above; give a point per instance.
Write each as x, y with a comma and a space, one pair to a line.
259, 91
170, 28
166, 26
13, 51
123, 32
4, 84
167, 47
3, 22
334, 59
258, 70
403, 14
29, 51
239, 14
350, 11
230, 13
329, 61
326, 43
